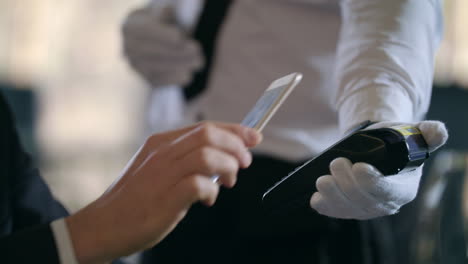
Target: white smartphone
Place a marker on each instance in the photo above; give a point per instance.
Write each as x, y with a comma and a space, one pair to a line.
270, 101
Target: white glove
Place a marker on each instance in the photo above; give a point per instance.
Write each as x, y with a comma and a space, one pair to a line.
360, 191
159, 49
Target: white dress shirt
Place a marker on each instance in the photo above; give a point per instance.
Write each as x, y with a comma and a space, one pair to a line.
361, 60
63, 242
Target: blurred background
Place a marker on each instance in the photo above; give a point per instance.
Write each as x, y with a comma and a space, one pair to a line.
81, 109
77, 102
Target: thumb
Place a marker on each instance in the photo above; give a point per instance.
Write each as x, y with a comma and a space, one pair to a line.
434, 132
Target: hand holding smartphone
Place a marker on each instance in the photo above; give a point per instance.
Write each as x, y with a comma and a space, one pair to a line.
270, 101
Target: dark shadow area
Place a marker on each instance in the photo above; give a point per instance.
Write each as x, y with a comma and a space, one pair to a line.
450, 105
22, 101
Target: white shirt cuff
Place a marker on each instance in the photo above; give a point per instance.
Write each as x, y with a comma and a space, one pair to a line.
63, 242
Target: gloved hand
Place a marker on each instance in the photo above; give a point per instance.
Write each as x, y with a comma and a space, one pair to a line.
360, 191
159, 49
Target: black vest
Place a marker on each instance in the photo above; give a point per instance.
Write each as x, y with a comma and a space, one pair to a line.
206, 33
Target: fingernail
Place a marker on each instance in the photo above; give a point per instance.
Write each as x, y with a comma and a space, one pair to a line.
252, 136
247, 159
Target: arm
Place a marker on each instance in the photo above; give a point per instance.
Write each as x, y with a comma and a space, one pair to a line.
34, 229
385, 59
167, 175
384, 71
27, 200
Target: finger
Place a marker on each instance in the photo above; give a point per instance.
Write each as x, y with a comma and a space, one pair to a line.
150, 30
157, 143
180, 78
209, 161
149, 64
330, 202
209, 135
335, 198
159, 79
167, 71
137, 17
250, 136
342, 171
178, 199
162, 139
434, 132
154, 71
325, 207
390, 192
318, 203
192, 189
186, 52
205, 161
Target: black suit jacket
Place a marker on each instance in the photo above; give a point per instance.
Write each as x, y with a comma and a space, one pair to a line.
26, 204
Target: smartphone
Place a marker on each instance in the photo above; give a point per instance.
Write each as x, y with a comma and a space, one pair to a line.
270, 101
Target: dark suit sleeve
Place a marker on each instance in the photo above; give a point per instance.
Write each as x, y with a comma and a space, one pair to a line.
32, 201
28, 205
31, 245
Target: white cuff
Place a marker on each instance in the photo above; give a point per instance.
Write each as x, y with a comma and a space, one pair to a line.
63, 242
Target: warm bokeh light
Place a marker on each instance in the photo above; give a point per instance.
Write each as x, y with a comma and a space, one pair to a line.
452, 61
90, 103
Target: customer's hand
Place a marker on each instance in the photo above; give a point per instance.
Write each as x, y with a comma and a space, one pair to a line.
169, 173
360, 191
158, 49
